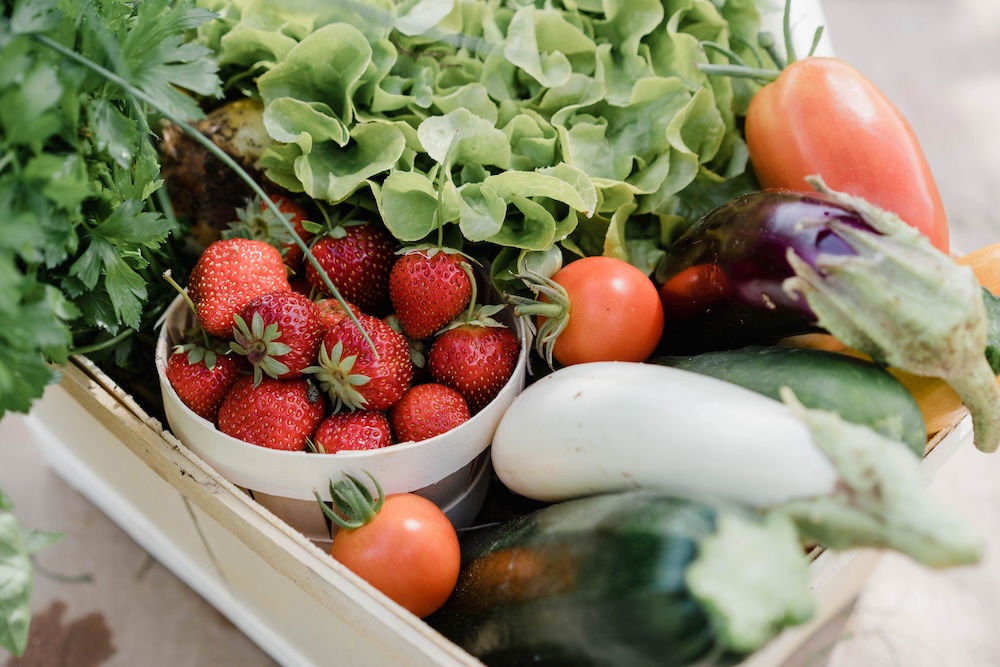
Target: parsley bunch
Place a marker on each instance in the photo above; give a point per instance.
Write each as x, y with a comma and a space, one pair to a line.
85, 228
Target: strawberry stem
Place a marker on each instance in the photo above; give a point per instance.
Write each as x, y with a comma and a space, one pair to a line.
475, 289
444, 178
168, 276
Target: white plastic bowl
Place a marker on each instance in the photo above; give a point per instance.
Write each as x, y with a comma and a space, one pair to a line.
443, 468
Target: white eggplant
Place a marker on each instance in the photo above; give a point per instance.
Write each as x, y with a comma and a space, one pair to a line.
591, 428
608, 426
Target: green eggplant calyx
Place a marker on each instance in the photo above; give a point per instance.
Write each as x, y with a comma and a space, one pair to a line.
769, 590
881, 499
905, 304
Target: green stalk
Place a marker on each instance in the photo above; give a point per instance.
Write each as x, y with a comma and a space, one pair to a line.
226, 159
103, 345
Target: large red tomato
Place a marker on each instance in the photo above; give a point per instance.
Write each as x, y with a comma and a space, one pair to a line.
822, 116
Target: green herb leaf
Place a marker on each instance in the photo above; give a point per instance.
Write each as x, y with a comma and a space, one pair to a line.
82, 239
15, 586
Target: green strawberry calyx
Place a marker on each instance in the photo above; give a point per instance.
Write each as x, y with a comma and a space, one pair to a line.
479, 315
335, 377
260, 345
198, 353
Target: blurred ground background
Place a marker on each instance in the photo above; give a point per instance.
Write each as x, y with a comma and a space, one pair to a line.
940, 63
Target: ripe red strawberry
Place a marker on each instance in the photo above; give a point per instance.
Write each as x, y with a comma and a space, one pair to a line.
357, 258
355, 376
279, 333
297, 215
280, 414
229, 274
475, 357
202, 377
429, 288
258, 221
353, 431
332, 313
427, 410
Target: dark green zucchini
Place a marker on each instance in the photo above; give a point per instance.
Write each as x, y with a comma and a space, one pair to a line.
631, 578
859, 391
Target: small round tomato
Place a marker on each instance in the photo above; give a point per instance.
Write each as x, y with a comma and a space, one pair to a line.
693, 290
409, 550
597, 309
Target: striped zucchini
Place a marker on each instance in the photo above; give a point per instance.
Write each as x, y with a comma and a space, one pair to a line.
630, 578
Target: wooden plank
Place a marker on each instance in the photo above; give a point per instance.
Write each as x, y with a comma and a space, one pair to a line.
127, 474
364, 611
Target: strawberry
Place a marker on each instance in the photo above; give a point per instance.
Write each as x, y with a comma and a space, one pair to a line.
476, 356
429, 287
427, 410
202, 377
357, 377
279, 414
332, 313
229, 274
258, 221
351, 431
357, 259
279, 333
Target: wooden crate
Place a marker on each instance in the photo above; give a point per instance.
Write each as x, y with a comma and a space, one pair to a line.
286, 594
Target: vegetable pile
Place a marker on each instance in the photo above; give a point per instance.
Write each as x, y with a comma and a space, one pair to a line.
361, 175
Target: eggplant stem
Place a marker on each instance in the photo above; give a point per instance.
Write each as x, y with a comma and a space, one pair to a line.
980, 393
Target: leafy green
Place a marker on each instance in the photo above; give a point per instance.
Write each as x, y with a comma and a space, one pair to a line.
82, 233
17, 544
581, 124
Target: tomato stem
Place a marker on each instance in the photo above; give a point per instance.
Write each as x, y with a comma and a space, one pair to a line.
740, 71
353, 500
553, 313
786, 26
739, 68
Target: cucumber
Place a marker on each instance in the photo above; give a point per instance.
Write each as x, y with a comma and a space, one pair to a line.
859, 391
629, 578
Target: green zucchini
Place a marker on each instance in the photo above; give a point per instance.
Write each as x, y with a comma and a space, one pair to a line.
859, 391
629, 578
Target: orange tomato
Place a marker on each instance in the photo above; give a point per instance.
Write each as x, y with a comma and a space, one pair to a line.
615, 312
822, 116
409, 551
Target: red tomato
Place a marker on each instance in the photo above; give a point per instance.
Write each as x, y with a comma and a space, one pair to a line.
821, 116
615, 312
693, 290
409, 551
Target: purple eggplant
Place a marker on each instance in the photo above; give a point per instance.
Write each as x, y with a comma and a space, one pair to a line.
778, 263
723, 281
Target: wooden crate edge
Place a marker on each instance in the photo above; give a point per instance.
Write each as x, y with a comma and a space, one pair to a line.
284, 548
